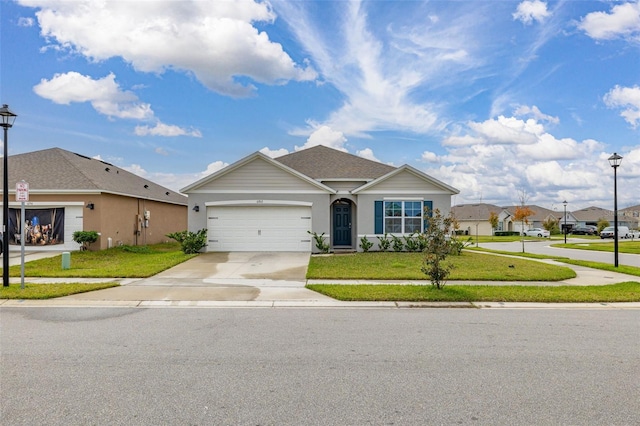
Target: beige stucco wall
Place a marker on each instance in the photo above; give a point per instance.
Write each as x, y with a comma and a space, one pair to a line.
115, 217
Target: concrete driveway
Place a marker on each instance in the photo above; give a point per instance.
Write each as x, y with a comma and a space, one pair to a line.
234, 276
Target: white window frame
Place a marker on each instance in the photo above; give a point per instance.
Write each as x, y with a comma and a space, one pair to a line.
403, 216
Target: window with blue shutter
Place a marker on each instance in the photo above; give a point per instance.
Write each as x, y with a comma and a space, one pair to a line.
400, 217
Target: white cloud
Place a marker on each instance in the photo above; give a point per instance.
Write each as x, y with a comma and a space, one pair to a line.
368, 154
107, 98
361, 59
622, 22
484, 168
535, 112
508, 130
531, 10
104, 94
324, 135
161, 151
175, 181
161, 129
25, 22
627, 98
274, 153
137, 169
213, 167
216, 41
429, 157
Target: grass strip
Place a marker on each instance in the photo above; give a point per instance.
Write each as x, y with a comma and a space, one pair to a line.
518, 253
623, 269
50, 291
629, 247
117, 262
622, 292
406, 266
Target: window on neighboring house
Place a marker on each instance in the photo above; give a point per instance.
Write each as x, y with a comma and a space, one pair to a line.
402, 217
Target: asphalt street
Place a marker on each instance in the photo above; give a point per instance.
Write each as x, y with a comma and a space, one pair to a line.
123, 366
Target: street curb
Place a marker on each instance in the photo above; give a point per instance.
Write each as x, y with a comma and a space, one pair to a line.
323, 304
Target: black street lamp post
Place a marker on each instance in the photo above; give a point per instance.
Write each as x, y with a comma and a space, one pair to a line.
565, 221
615, 161
8, 118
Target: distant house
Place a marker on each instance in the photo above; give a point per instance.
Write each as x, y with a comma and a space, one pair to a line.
474, 218
265, 204
629, 216
70, 192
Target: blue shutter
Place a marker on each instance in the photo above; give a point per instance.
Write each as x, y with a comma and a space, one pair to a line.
427, 206
379, 217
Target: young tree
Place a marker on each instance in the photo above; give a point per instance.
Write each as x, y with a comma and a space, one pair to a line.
437, 249
551, 225
522, 215
493, 220
602, 223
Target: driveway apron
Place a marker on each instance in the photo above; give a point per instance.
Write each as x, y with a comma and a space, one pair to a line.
228, 276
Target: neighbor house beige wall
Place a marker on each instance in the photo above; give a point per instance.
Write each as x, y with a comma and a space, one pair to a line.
115, 217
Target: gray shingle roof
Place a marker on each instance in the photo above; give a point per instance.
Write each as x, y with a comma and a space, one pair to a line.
480, 211
321, 162
592, 214
56, 170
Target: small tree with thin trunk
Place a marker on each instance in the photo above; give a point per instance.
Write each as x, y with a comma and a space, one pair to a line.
522, 215
493, 221
438, 247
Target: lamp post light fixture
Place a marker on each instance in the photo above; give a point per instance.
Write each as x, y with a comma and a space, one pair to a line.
565, 221
8, 118
615, 161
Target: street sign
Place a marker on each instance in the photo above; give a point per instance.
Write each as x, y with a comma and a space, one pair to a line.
22, 191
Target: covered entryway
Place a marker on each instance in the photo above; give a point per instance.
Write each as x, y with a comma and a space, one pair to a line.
259, 228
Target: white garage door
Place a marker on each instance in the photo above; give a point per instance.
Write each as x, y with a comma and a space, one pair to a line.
264, 228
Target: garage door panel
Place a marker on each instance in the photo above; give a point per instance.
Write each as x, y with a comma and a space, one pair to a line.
259, 228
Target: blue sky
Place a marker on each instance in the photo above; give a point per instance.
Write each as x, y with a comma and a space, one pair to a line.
496, 98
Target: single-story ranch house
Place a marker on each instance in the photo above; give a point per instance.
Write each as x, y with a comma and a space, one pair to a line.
69, 192
265, 204
473, 219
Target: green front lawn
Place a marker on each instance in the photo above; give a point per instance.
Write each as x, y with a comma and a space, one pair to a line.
117, 262
406, 266
49, 291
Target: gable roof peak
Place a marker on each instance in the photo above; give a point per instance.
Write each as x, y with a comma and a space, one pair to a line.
324, 163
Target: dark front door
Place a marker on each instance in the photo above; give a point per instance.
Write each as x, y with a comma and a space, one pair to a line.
341, 225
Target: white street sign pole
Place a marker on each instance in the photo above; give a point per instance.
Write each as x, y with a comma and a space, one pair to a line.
22, 195
22, 246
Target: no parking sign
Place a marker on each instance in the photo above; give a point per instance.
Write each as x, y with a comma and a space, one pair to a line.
22, 191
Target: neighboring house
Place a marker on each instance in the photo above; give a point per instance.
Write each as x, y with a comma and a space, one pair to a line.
70, 192
265, 204
474, 218
630, 216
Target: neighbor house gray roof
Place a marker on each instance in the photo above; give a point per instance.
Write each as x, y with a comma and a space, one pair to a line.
55, 170
540, 214
480, 211
592, 214
323, 163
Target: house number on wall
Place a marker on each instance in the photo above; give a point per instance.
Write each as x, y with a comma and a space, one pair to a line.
259, 201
